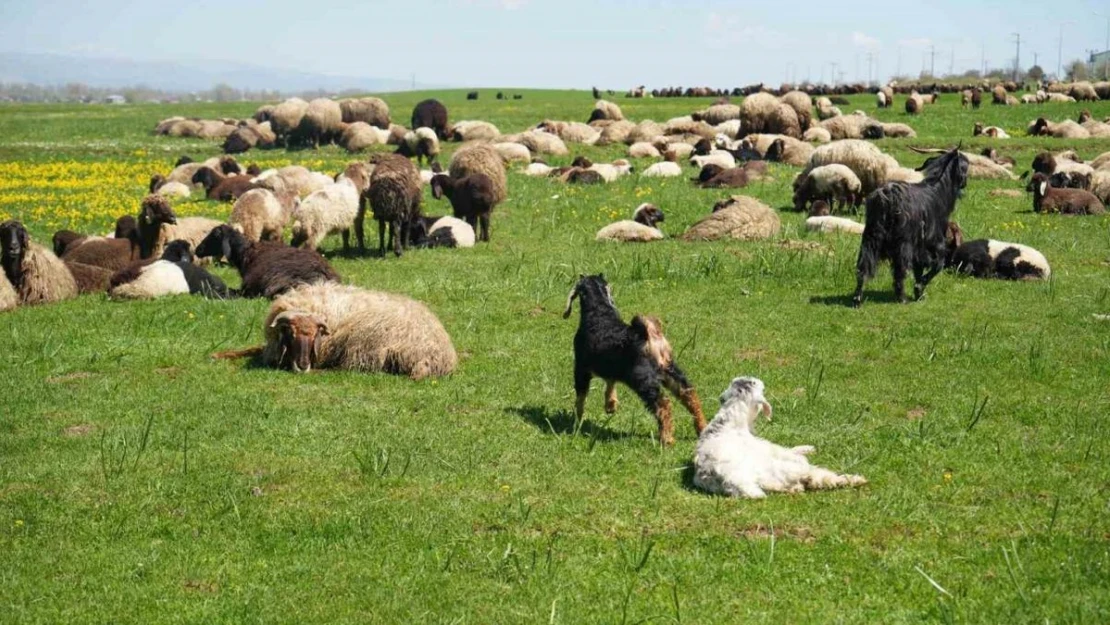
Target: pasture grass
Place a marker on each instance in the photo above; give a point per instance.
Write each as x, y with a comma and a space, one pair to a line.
141, 481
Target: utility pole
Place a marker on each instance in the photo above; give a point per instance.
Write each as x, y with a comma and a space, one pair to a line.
1017, 57
1060, 53
832, 75
870, 58
983, 59
898, 71
952, 61
932, 60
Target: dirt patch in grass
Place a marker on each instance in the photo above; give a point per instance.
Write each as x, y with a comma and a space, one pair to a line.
1005, 193
68, 377
759, 530
916, 413
75, 431
199, 585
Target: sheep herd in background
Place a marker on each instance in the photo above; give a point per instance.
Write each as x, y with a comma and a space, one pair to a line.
315, 322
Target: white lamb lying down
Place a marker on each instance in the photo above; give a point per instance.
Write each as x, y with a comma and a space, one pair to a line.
829, 223
731, 460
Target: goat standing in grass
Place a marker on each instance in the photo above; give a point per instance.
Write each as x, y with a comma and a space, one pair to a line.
637, 355
906, 224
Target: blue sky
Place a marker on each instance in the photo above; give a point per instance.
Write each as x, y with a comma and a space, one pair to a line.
564, 43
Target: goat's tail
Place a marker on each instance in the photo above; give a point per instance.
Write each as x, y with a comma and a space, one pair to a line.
233, 354
868, 258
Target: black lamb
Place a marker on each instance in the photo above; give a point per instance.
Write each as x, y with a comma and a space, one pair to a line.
906, 225
268, 269
431, 114
637, 355
472, 198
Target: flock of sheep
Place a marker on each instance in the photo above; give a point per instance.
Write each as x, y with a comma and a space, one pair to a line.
315, 321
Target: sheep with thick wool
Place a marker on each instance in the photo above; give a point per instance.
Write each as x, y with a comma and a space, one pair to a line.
474, 130
605, 110
394, 195
34, 272
372, 111
330, 210
640, 229
332, 326
261, 214
731, 460
739, 217
831, 183
867, 162
286, 117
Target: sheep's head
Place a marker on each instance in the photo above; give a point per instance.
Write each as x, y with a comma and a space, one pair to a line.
978, 129
1038, 184
440, 184
776, 150
703, 146
218, 243
183, 160
953, 236
709, 171
819, 208
253, 169
155, 210
229, 165
126, 227
593, 288
1044, 163
299, 335
206, 177
156, 181
648, 214
746, 395
13, 246
873, 131
177, 251
582, 161
1040, 127
1084, 116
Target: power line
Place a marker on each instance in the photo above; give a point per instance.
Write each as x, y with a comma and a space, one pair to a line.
1017, 57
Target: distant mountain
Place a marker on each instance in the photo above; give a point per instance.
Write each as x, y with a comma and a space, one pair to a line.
182, 76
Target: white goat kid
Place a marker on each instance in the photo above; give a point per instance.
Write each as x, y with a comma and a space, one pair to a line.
731, 460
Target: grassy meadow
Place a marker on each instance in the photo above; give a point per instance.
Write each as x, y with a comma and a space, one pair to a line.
143, 482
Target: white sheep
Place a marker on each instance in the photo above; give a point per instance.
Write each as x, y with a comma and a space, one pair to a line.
461, 232
538, 170
260, 215
327, 211
731, 460
664, 169
641, 228
611, 171
157, 279
513, 152
831, 223
717, 157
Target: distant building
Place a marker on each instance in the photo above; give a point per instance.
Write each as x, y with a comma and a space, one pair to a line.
115, 99
1098, 58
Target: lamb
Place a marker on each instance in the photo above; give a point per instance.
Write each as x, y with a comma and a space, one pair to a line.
430, 232
821, 220
987, 258
220, 187
421, 144
640, 229
159, 225
604, 109
161, 186
989, 131
331, 326
372, 111
834, 182
394, 196
739, 217
481, 159
34, 272
469, 130
1047, 199
906, 224
261, 215
472, 198
173, 274
267, 269
731, 460
1066, 129
637, 355
664, 169
431, 114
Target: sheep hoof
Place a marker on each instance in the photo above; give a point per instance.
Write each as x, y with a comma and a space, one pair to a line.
611, 406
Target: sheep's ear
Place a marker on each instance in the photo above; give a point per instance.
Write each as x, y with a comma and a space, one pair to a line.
765, 406
321, 325
226, 245
570, 299
1043, 187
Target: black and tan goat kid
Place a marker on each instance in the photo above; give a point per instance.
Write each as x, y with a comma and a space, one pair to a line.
906, 225
635, 354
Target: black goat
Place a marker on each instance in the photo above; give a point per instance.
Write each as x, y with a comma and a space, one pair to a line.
637, 355
906, 225
472, 198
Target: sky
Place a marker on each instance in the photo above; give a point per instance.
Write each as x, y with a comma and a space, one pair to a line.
613, 44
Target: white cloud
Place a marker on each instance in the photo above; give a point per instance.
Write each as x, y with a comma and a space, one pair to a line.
865, 41
726, 31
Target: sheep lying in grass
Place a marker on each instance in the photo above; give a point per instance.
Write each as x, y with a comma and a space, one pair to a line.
173, 274
821, 220
267, 269
987, 258
432, 232
9, 299
331, 326
641, 228
34, 272
635, 354
1048, 199
739, 217
159, 225
731, 460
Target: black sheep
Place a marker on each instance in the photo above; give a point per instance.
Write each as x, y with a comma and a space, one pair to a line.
906, 225
637, 355
473, 95
431, 114
268, 269
472, 198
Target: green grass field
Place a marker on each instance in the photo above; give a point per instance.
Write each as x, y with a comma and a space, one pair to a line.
143, 482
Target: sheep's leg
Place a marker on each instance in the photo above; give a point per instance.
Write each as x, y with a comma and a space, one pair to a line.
803, 450
346, 239
899, 266
359, 218
820, 478
611, 402
381, 238
396, 235
484, 219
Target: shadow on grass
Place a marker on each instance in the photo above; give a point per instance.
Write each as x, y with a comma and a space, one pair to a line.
869, 297
563, 422
688, 478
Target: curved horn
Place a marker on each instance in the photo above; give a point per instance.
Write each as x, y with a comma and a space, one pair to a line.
285, 317
927, 150
570, 299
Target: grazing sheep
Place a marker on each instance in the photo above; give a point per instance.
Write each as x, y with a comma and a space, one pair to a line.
331, 326
261, 215
803, 109
640, 229
664, 169
764, 113
286, 117
1048, 199
34, 272
987, 258
880, 100
820, 220
604, 109
914, 103
431, 114
473, 130
372, 111
267, 269
330, 210
158, 225
220, 187
637, 355
421, 144
472, 198
831, 183
394, 196
989, 131
869, 163
731, 460
431, 232
906, 224
358, 136
481, 159
739, 217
